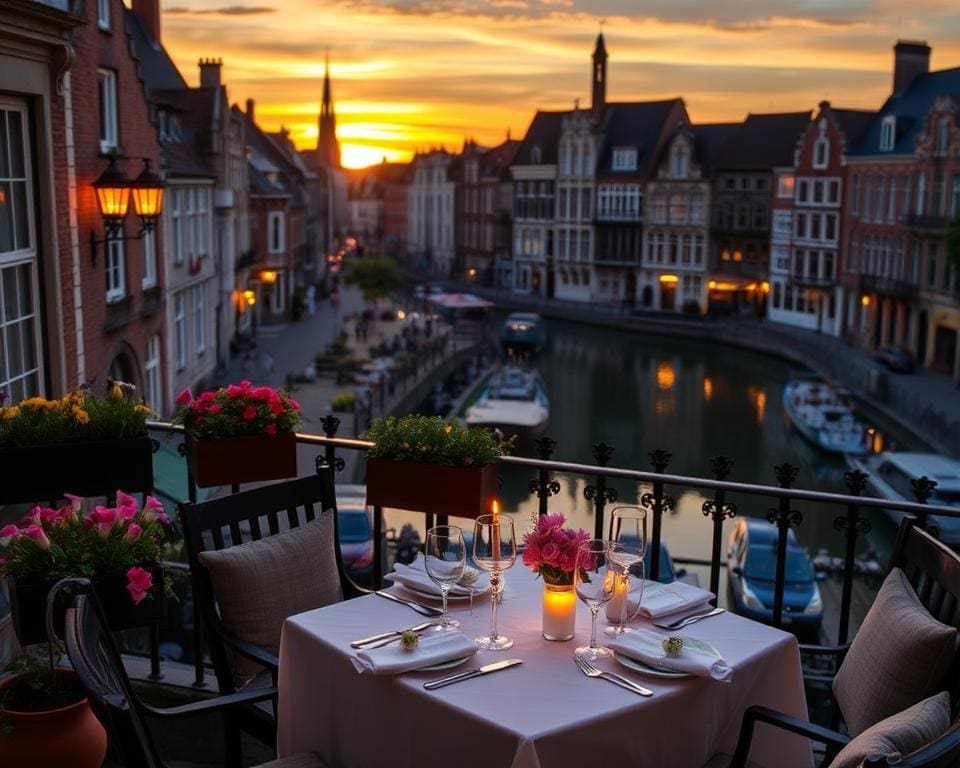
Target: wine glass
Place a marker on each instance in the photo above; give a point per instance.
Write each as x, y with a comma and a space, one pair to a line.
594, 580
628, 541
494, 550
445, 557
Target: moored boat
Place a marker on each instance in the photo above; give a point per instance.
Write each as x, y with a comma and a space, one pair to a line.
514, 401
824, 415
523, 334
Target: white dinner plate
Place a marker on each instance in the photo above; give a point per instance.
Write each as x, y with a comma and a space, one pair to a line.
645, 669
451, 598
443, 665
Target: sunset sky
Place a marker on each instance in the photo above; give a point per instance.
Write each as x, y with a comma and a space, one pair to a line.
412, 74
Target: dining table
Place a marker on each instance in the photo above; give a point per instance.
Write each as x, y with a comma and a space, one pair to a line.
543, 713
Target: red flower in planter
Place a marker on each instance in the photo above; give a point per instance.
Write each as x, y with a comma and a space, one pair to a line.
139, 582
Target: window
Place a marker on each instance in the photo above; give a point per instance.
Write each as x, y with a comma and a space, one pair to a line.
818, 191
921, 192
932, 265
108, 109
800, 225
278, 303
180, 331
115, 278
888, 132
881, 200
855, 196
680, 162
785, 186
803, 191
830, 227
782, 224
275, 233
201, 227
821, 152
103, 14
151, 373
200, 318
833, 192
149, 246
892, 200
905, 208
624, 159
585, 204
176, 226
535, 155
955, 196
943, 137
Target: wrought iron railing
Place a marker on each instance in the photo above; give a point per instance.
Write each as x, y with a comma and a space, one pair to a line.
658, 500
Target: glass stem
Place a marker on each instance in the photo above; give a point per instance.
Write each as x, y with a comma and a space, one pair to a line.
593, 625
444, 590
623, 606
494, 594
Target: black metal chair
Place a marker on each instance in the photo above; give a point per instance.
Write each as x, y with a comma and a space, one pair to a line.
933, 570
235, 519
97, 662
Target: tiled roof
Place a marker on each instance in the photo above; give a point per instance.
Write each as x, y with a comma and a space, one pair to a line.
710, 138
762, 142
909, 108
544, 132
194, 107
156, 67
854, 123
639, 125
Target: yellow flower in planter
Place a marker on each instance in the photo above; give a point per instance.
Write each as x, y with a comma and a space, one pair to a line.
143, 409
10, 412
34, 402
116, 392
80, 415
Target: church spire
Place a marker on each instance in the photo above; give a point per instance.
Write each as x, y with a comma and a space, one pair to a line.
328, 148
599, 77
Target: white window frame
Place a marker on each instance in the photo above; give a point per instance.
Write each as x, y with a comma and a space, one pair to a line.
107, 96
821, 147
180, 330
275, 219
278, 299
202, 229
888, 132
176, 225
942, 137
103, 14
149, 246
114, 258
680, 162
921, 193
624, 159
200, 318
785, 185
151, 374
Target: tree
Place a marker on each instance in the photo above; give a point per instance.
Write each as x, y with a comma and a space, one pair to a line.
376, 276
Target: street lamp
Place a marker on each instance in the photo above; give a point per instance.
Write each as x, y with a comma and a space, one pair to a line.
114, 190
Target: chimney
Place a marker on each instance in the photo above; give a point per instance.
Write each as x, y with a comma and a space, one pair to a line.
210, 72
148, 11
250, 110
909, 60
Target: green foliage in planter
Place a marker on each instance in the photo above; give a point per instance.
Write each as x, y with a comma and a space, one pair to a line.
81, 415
431, 440
345, 402
38, 687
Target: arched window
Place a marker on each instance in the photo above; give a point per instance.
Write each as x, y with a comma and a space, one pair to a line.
535, 155
821, 152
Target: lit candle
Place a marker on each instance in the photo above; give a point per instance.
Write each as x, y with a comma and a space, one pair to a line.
621, 587
495, 534
559, 611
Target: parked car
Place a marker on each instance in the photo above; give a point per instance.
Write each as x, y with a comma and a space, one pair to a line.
896, 359
752, 567
356, 532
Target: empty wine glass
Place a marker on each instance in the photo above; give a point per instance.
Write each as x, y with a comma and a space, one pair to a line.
628, 541
494, 550
594, 579
445, 557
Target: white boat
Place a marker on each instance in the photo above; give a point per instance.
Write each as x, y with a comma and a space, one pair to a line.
889, 476
823, 414
514, 401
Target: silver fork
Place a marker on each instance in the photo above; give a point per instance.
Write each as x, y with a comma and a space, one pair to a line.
591, 671
688, 620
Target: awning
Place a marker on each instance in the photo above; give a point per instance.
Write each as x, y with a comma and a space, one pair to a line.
459, 301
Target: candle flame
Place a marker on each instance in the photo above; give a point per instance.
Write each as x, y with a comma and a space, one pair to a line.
496, 511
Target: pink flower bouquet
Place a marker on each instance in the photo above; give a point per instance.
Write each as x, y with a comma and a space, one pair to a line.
550, 550
55, 543
238, 410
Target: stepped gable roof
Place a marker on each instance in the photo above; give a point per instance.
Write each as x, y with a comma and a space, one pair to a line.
156, 67
186, 154
639, 125
710, 137
544, 132
910, 108
762, 142
854, 123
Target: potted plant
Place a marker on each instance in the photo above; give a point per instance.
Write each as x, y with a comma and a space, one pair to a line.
119, 548
97, 444
45, 717
239, 434
426, 464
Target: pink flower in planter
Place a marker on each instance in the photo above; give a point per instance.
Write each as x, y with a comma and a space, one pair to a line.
139, 582
133, 532
153, 510
40, 515
126, 500
214, 409
271, 429
234, 391
276, 407
184, 397
74, 505
208, 397
250, 413
9, 532
263, 393
104, 519
293, 404
245, 384
38, 535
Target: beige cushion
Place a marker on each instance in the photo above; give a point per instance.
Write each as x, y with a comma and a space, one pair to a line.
899, 657
899, 734
258, 584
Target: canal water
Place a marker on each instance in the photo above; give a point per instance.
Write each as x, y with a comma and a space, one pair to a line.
639, 391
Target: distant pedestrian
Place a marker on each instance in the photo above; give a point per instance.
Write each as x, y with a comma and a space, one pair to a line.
266, 362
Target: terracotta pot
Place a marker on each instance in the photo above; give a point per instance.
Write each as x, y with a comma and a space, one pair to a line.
67, 736
249, 459
431, 488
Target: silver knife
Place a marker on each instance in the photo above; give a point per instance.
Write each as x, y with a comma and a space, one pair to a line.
426, 610
392, 633
484, 670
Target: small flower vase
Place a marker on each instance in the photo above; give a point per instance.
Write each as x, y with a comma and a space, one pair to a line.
559, 611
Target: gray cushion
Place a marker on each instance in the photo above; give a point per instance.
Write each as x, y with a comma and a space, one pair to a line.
899, 657
899, 734
259, 584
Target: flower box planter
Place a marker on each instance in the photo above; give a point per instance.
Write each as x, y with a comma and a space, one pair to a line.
85, 468
28, 599
249, 459
432, 488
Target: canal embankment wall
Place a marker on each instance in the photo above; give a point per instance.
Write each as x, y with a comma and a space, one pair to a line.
930, 413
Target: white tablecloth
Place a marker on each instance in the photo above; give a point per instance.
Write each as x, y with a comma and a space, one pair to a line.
541, 714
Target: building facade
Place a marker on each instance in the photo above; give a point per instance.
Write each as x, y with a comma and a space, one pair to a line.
430, 219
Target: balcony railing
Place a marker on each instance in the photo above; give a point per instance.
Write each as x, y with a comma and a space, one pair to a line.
925, 222
724, 499
812, 281
888, 286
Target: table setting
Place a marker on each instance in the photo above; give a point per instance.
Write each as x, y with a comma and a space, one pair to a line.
667, 696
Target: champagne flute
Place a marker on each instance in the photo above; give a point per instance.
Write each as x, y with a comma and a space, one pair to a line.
445, 557
594, 580
494, 550
628, 541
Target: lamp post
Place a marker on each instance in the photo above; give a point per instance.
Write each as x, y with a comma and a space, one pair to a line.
114, 191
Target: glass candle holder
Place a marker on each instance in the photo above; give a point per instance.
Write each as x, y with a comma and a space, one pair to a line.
559, 611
